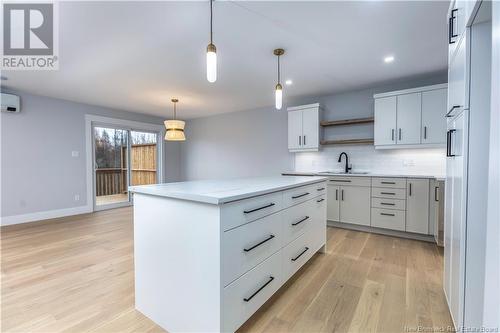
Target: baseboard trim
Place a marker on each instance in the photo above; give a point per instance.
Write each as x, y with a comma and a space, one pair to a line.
48, 214
387, 232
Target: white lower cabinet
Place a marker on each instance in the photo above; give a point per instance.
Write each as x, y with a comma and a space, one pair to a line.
417, 206
333, 209
388, 219
349, 204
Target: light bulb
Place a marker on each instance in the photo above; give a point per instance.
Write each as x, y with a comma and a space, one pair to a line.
278, 96
211, 63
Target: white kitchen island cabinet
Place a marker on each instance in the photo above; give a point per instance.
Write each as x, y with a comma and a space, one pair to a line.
208, 254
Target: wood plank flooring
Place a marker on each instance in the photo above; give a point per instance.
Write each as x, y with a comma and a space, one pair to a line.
75, 274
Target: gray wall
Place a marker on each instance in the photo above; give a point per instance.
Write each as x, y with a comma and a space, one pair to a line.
254, 142
37, 169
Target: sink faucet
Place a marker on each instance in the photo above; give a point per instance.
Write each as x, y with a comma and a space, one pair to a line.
347, 167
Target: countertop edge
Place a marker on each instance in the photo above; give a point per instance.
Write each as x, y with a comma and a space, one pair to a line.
207, 199
315, 174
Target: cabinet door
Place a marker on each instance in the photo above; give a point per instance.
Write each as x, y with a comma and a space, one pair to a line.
295, 129
310, 128
417, 206
333, 208
433, 116
409, 117
355, 205
385, 121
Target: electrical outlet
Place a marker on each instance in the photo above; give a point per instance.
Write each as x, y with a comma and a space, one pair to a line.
77, 197
75, 153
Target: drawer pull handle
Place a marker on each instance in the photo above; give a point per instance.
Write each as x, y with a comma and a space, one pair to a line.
320, 189
299, 222
387, 214
387, 204
271, 278
436, 198
392, 183
300, 254
256, 209
390, 193
320, 200
258, 244
340, 180
300, 195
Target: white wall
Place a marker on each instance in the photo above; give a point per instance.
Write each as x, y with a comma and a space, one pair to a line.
254, 142
38, 172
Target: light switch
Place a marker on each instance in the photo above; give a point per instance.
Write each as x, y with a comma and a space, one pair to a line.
75, 153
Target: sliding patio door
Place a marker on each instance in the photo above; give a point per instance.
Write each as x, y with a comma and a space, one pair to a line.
122, 157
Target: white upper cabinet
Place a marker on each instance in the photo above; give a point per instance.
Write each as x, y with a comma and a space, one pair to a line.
433, 113
385, 126
411, 118
304, 128
408, 117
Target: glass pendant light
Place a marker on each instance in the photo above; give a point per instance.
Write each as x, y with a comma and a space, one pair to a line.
211, 53
175, 128
278, 93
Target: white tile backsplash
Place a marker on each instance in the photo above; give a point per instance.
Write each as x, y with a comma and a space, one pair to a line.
367, 158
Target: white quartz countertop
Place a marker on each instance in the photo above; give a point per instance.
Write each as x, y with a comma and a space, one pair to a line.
367, 174
222, 191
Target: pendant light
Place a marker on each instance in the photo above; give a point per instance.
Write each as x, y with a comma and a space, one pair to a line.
278, 93
211, 53
175, 128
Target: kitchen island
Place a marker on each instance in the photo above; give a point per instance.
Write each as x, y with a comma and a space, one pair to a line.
209, 253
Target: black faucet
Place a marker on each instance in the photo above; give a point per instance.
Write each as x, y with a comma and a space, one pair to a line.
347, 167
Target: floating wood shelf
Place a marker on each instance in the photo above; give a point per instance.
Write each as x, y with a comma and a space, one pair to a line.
347, 142
348, 121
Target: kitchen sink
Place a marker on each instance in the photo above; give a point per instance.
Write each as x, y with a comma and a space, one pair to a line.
343, 173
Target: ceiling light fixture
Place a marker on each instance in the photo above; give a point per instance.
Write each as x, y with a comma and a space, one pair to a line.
288, 82
175, 128
211, 52
278, 93
388, 59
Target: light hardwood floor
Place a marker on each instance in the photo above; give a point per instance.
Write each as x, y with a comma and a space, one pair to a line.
76, 275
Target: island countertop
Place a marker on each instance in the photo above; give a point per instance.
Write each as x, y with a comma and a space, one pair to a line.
223, 191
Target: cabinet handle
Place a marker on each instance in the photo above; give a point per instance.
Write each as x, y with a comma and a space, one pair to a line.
271, 278
340, 180
320, 200
300, 195
410, 190
256, 209
387, 214
451, 143
300, 140
337, 195
436, 193
425, 132
320, 189
392, 183
300, 255
448, 143
388, 193
299, 222
451, 21
399, 134
387, 204
304, 140
448, 114
342, 195
260, 243
392, 134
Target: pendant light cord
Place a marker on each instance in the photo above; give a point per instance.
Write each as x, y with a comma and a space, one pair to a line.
279, 74
175, 111
211, 19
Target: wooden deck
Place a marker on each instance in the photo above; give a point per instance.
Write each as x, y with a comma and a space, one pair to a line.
111, 199
76, 274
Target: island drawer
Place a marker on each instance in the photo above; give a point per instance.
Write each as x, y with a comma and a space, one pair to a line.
390, 193
298, 252
300, 194
352, 181
389, 182
248, 245
297, 219
389, 203
388, 219
243, 211
244, 296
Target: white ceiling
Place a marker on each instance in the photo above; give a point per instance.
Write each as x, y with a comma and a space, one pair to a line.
137, 55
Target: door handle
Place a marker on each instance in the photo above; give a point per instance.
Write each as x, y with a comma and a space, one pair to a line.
392, 134
425, 132
300, 140
399, 134
342, 195
337, 195
436, 193
409, 190
451, 143
304, 140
